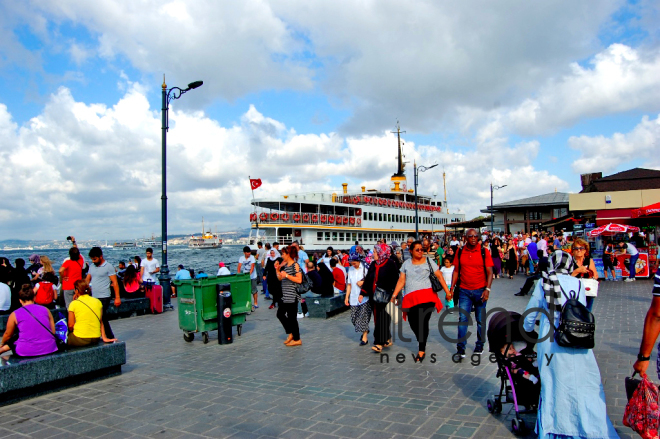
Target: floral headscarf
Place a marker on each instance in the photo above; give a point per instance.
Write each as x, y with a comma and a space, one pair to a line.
383, 251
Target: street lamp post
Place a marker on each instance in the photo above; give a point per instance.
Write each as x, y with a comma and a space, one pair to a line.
168, 96
417, 170
492, 216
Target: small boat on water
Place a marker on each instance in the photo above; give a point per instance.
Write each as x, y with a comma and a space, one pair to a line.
151, 242
207, 240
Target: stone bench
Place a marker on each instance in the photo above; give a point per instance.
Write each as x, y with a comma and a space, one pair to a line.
324, 307
21, 378
54, 312
138, 306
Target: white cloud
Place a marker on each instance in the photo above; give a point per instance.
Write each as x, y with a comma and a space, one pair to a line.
96, 168
600, 153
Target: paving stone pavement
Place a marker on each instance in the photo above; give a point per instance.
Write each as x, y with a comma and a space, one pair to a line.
330, 387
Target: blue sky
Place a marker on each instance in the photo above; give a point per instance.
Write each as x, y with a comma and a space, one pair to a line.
305, 95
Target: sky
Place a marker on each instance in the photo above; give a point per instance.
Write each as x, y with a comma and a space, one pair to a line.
305, 95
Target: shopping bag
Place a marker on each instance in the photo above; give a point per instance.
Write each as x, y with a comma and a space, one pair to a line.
642, 412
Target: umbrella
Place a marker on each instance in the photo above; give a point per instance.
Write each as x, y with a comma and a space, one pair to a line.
613, 229
646, 210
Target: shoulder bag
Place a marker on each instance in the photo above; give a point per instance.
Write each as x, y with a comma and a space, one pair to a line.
380, 294
61, 344
435, 282
305, 285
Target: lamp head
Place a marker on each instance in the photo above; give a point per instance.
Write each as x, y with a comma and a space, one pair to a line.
194, 85
433, 166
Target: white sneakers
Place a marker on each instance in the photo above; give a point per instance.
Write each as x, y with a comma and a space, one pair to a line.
629, 280
300, 315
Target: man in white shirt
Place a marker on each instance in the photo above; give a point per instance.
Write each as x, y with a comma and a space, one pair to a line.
5, 298
151, 267
543, 245
222, 270
247, 264
454, 242
628, 248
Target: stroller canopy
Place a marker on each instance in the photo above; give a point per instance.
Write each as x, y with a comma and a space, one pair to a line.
504, 327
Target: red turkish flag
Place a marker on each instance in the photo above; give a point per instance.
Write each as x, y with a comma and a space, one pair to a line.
255, 183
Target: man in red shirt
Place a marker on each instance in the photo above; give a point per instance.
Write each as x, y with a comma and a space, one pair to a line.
339, 276
473, 272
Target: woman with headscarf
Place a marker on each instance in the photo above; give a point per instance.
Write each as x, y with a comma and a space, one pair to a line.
273, 262
360, 310
35, 266
565, 410
383, 273
327, 280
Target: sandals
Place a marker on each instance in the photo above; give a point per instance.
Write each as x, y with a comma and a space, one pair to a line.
388, 344
377, 349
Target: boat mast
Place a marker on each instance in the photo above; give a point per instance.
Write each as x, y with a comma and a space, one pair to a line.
399, 171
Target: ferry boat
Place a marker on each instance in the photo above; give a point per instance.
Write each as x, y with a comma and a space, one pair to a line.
207, 240
319, 220
124, 245
151, 242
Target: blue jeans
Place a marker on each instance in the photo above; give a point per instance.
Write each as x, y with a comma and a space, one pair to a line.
631, 267
467, 299
264, 284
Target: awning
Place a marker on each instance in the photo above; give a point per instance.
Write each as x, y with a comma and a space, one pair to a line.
472, 224
646, 210
606, 216
557, 221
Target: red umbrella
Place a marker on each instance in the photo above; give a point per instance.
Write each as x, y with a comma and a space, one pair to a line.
646, 210
612, 229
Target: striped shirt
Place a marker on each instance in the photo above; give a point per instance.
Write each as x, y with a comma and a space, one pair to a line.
656, 292
289, 294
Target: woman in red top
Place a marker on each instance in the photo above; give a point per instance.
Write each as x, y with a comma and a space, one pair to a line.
419, 299
70, 272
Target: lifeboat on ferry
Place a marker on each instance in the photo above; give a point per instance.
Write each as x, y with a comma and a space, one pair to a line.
315, 218
274, 216
285, 217
324, 218
263, 216
305, 217
296, 217
253, 217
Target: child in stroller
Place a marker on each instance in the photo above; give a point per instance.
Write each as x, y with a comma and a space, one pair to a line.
516, 367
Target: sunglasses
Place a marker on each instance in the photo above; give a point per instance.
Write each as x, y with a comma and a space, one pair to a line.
418, 250
579, 248
472, 236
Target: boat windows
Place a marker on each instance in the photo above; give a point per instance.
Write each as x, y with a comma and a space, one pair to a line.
365, 215
319, 236
334, 236
354, 237
327, 236
371, 236
341, 236
389, 218
371, 216
380, 217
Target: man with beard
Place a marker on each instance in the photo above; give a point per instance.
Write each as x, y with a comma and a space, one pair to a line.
101, 277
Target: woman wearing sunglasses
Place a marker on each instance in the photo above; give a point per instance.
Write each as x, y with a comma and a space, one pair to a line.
583, 265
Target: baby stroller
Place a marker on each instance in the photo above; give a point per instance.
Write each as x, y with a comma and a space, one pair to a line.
520, 383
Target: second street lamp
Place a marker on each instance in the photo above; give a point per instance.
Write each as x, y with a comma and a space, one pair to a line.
492, 215
417, 170
168, 96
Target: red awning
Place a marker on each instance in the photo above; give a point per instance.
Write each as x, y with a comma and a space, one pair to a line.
646, 210
621, 216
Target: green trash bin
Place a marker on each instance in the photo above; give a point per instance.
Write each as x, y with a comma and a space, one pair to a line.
197, 300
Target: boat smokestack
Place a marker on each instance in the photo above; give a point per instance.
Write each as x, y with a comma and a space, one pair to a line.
363, 188
345, 186
396, 186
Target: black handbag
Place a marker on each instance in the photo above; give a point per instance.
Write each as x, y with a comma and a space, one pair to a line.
305, 286
435, 282
576, 324
381, 295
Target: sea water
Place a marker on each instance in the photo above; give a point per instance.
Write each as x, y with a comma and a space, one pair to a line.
198, 259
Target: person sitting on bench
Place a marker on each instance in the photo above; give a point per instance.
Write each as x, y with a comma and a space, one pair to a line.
85, 314
35, 325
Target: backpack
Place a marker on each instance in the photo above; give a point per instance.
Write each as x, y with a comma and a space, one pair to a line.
576, 324
45, 293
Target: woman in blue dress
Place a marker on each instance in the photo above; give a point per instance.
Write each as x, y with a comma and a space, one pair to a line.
572, 402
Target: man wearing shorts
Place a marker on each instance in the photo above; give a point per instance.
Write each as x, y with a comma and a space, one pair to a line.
247, 264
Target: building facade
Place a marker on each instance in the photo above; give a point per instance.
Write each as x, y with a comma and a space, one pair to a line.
528, 214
